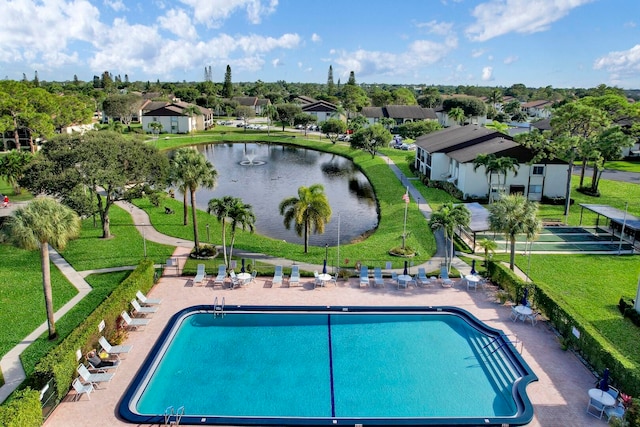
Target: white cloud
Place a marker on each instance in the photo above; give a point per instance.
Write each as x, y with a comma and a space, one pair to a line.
490, 57
116, 5
179, 23
276, 63
498, 17
476, 53
487, 74
52, 26
316, 38
435, 27
510, 59
214, 12
418, 54
621, 65
630, 24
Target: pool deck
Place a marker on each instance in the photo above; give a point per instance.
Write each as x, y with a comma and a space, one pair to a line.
559, 397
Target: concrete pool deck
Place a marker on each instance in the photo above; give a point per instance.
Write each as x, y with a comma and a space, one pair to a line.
559, 397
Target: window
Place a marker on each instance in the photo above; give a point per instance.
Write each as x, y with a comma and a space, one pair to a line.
535, 189
538, 170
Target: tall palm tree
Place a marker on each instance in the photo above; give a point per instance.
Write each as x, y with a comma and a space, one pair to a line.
220, 208
196, 171
242, 217
309, 212
43, 222
447, 218
457, 115
512, 215
504, 165
270, 112
178, 167
495, 97
488, 161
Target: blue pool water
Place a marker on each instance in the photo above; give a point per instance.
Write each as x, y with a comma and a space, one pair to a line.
324, 366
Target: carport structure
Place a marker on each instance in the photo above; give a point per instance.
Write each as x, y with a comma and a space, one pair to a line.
478, 224
619, 221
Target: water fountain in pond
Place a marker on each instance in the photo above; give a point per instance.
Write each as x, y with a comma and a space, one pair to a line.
250, 159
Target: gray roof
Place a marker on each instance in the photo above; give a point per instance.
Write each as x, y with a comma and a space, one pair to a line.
372, 112
413, 112
319, 106
616, 215
464, 143
479, 217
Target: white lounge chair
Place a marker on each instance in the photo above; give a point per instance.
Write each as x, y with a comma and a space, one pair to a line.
133, 323
221, 276
98, 365
200, 275
93, 379
142, 310
116, 350
81, 389
147, 301
295, 275
364, 276
277, 276
317, 282
444, 277
377, 277
422, 279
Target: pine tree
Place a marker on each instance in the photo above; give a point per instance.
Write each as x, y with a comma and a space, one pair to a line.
227, 87
126, 78
331, 87
210, 74
36, 80
352, 79
75, 80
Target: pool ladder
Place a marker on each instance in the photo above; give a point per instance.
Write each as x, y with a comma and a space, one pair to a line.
218, 309
172, 418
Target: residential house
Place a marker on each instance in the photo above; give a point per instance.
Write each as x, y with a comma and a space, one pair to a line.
254, 102
399, 113
445, 121
540, 109
175, 119
322, 110
448, 155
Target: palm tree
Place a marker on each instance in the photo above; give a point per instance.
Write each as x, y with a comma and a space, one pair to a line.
270, 112
457, 115
447, 218
196, 172
489, 163
498, 126
512, 215
495, 97
310, 212
241, 216
504, 165
156, 128
178, 166
43, 222
488, 247
220, 208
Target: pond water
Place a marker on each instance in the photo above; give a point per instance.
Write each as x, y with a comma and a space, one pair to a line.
263, 175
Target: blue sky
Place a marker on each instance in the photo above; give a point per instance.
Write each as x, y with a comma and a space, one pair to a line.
562, 43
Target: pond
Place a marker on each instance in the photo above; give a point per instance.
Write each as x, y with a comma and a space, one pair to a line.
263, 175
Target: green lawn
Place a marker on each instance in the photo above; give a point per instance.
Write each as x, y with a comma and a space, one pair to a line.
624, 165
591, 286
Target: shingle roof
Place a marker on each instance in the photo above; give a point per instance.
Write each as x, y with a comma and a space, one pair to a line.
248, 101
464, 143
319, 106
405, 112
372, 112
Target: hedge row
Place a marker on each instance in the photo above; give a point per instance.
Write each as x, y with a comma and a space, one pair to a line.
60, 363
591, 345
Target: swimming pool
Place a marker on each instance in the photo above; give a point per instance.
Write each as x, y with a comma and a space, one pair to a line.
331, 366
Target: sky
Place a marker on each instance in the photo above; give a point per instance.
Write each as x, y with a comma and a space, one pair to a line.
562, 43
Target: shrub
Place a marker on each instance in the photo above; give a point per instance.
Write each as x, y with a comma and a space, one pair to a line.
23, 410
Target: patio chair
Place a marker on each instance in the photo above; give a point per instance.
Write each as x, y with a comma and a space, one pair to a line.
316, 282
200, 275
616, 411
515, 315
115, 350
422, 279
81, 389
377, 277
93, 379
444, 277
142, 310
364, 275
277, 276
235, 282
394, 278
595, 408
96, 364
221, 276
295, 275
147, 301
254, 274
133, 323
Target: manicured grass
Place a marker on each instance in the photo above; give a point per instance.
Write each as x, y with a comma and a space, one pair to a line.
21, 295
590, 286
103, 285
624, 165
126, 247
5, 188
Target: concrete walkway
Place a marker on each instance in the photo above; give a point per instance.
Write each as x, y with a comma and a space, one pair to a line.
11, 365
